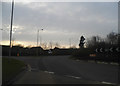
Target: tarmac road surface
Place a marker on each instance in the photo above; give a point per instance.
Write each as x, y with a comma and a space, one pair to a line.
62, 70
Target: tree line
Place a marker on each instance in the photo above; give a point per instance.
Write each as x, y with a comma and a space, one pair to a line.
100, 49
97, 48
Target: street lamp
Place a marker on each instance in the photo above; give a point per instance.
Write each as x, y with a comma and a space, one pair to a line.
38, 39
11, 27
41, 38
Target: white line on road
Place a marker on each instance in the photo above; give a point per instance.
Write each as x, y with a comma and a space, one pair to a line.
29, 67
107, 82
49, 72
73, 77
77, 60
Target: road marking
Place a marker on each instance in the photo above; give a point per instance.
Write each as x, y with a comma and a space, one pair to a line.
73, 77
29, 67
46, 71
49, 72
77, 60
114, 63
107, 82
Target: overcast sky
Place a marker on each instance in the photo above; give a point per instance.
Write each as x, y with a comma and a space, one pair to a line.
61, 21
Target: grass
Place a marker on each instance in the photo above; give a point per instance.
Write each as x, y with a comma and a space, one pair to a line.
10, 68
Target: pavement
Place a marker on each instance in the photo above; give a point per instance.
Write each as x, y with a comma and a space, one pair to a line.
33, 77
62, 70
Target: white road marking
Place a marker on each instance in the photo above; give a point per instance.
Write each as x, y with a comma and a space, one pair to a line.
49, 72
46, 71
107, 82
29, 67
114, 63
77, 60
73, 77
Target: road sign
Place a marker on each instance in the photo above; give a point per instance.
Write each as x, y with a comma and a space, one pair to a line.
101, 49
111, 49
117, 49
96, 50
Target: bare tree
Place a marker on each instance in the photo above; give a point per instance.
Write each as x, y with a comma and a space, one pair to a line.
112, 38
73, 46
13, 41
57, 45
44, 45
94, 41
50, 45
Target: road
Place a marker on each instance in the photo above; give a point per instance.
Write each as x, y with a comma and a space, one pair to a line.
62, 70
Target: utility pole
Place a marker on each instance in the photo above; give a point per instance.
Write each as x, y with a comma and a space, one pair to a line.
11, 27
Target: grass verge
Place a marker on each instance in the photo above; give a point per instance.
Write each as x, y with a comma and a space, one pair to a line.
10, 68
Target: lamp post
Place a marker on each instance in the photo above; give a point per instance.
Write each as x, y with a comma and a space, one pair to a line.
11, 27
41, 38
38, 39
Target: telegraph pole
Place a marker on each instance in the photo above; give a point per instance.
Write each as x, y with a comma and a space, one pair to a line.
11, 27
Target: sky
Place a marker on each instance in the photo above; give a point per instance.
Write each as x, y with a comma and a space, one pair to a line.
62, 22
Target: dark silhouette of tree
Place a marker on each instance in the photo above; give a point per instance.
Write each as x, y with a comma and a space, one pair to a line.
57, 45
73, 46
50, 45
94, 41
81, 44
112, 38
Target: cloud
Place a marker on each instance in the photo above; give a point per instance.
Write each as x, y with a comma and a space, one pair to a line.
61, 21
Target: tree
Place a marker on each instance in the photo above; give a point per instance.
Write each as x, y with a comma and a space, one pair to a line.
44, 45
112, 38
50, 45
73, 46
94, 41
13, 41
81, 44
57, 45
